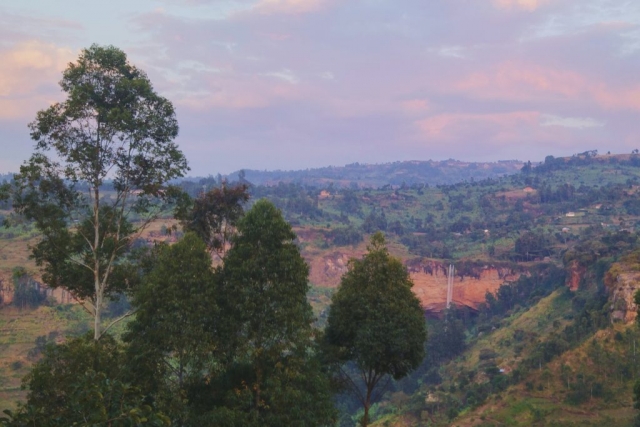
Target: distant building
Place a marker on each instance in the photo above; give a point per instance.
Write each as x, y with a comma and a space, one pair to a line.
529, 190
570, 214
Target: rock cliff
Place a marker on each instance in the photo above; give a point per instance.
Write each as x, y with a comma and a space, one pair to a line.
429, 278
623, 281
575, 274
430, 284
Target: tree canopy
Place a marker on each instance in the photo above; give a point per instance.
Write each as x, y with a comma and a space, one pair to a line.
213, 215
375, 322
112, 128
84, 382
268, 327
172, 337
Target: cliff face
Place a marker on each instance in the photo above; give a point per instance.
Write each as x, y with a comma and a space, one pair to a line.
430, 284
622, 281
576, 272
327, 269
429, 278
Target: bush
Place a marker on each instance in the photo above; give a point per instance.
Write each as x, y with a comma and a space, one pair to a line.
89, 374
345, 236
487, 354
27, 292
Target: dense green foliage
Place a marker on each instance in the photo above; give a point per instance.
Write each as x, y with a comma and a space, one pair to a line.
172, 336
84, 382
376, 323
266, 321
228, 346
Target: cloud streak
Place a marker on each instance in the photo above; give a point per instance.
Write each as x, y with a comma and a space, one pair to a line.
289, 7
570, 122
528, 5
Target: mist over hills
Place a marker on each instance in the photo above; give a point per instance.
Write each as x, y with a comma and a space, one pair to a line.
378, 175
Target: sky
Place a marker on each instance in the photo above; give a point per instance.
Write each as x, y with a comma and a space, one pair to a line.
295, 84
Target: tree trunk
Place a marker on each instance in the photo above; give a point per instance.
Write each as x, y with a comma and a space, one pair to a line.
365, 418
96, 264
367, 405
97, 315
258, 391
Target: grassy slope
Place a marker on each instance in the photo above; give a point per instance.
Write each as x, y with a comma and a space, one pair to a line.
546, 402
542, 397
18, 332
20, 328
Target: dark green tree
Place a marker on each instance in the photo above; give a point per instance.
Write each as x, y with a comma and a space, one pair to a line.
5, 192
83, 383
172, 337
272, 377
375, 222
112, 127
532, 244
213, 215
375, 323
26, 291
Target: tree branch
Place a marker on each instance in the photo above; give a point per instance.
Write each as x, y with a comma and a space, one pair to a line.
354, 386
381, 389
119, 319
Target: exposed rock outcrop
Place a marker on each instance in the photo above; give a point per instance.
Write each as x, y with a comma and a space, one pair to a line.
429, 277
576, 272
327, 269
622, 281
430, 284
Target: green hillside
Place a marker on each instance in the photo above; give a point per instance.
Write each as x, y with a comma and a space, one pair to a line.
358, 175
536, 353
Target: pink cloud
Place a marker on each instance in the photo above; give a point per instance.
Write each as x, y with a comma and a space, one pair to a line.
293, 7
413, 106
528, 5
28, 77
498, 135
502, 126
277, 36
624, 98
512, 81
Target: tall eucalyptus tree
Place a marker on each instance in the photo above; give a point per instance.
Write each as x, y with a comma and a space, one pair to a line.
113, 130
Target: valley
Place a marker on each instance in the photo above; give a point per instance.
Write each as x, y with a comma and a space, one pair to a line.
543, 289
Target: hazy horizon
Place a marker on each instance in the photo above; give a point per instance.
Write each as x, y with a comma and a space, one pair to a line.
213, 173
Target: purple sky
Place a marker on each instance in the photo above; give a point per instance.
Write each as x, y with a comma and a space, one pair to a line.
291, 84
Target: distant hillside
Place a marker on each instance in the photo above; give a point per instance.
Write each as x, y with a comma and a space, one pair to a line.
378, 175
541, 330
